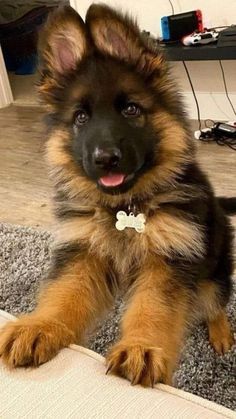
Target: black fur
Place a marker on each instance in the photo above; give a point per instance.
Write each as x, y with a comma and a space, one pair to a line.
217, 263
64, 255
228, 205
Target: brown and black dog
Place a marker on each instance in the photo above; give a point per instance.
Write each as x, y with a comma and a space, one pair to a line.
119, 141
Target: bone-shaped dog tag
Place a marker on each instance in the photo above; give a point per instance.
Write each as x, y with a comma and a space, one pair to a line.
131, 221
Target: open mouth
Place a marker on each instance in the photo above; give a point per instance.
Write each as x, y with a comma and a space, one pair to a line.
112, 180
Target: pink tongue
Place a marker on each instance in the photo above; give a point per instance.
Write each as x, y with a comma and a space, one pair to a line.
112, 180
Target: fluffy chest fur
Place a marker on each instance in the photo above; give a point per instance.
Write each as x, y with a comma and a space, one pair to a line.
165, 235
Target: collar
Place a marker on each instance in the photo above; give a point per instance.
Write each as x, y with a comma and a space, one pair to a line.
135, 207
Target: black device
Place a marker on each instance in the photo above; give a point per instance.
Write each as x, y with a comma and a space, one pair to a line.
220, 130
174, 27
227, 37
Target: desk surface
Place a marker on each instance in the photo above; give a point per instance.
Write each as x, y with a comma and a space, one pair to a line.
179, 52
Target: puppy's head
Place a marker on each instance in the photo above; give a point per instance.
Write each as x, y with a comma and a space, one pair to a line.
117, 125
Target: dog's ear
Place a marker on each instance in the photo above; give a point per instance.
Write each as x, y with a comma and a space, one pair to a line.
113, 33
63, 41
118, 35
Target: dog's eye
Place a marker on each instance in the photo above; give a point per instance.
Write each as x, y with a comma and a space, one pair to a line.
81, 117
131, 111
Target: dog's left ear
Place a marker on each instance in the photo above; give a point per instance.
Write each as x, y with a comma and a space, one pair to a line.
113, 33
117, 35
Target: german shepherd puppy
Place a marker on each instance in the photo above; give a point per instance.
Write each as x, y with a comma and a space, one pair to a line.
135, 212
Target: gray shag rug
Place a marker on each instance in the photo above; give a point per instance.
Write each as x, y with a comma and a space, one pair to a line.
24, 260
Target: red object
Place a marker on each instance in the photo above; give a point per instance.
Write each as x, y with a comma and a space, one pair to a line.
200, 22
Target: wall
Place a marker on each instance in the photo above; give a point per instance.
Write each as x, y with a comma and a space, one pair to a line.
206, 75
5, 89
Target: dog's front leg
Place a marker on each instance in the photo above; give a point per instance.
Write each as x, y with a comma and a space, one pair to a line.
74, 296
152, 329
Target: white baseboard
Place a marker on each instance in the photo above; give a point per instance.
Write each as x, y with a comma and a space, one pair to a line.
6, 97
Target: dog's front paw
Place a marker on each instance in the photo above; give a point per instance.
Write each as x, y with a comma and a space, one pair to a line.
139, 363
220, 334
222, 343
31, 341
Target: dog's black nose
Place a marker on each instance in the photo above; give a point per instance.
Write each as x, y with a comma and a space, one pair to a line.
107, 158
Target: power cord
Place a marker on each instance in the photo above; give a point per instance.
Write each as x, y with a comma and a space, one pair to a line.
195, 97
172, 7
215, 132
225, 86
218, 132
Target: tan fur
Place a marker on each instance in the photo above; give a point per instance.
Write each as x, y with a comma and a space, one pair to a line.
152, 330
55, 150
105, 26
120, 37
220, 335
33, 340
63, 32
165, 234
79, 295
80, 292
208, 306
136, 95
209, 309
64, 169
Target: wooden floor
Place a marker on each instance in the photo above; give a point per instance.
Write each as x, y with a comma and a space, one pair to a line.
24, 187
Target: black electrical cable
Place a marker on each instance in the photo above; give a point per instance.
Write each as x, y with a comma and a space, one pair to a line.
230, 142
225, 86
172, 7
195, 97
210, 137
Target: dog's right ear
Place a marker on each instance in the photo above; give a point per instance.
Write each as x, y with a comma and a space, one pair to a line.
63, 42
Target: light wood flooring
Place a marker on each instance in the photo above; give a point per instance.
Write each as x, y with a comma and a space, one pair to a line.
24, 186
